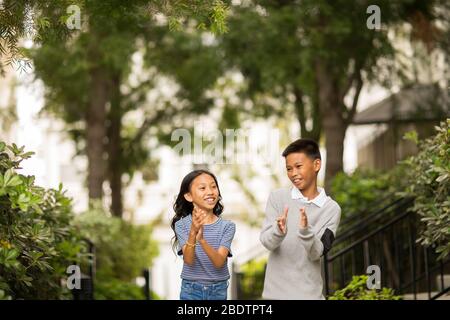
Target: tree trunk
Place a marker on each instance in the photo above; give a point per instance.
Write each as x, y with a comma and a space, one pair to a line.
334, 129
334, 125
315, 131
115, 149
95, 133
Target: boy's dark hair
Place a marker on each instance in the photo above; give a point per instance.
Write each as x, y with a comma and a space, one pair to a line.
307, 146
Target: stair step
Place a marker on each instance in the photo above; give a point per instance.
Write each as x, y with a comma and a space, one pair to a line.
424, 296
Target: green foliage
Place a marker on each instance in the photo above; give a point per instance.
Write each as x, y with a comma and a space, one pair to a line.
122, 249
252, 279
428, 181
37, 241
357, 290
425, 177
114, 289
108, 42
49, 19
357, 191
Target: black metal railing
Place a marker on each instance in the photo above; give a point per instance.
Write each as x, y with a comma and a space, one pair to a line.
405, 265
86, 290
384, 236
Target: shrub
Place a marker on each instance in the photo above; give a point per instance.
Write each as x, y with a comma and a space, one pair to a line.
428, 181
424, 177
37, 241
252, 279
122, 250
357, 290
357, 191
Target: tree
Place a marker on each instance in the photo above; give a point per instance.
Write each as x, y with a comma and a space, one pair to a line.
322, 53
94, 106
34, 19
272, 63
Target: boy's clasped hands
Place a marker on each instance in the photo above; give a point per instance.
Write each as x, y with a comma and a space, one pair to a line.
281, 220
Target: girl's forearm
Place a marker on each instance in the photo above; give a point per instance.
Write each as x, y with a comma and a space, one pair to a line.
216, 258
189, 250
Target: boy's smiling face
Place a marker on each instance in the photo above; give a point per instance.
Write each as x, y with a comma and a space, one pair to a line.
302, 170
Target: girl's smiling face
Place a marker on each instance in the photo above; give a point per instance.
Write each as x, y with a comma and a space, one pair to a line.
203, 192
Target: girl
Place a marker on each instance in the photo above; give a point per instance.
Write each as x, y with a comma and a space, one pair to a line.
202, 237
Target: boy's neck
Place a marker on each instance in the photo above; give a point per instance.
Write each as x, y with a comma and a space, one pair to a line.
310, 192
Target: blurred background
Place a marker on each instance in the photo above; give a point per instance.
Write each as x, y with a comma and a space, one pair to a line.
96, 89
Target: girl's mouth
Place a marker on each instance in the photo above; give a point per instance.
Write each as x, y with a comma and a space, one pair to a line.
210, 200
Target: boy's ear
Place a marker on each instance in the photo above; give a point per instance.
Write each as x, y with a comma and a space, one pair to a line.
188, 197
317, 165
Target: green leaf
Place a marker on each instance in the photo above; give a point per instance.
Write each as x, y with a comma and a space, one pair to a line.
7, 176
14, 181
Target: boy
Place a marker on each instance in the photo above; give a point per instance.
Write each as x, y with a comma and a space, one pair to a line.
300, 226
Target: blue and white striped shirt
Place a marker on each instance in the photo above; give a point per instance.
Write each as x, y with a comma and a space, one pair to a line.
217, 234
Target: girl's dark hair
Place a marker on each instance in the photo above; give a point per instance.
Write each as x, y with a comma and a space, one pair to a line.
183, 208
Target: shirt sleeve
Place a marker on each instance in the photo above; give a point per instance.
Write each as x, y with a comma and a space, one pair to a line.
271, 236
228, 235
320, 242
182, 235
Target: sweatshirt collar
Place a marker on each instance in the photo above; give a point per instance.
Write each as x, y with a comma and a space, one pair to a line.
318, 201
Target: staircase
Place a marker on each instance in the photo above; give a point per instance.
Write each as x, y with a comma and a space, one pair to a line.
386, 236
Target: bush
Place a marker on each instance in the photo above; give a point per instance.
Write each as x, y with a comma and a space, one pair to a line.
114, 289
122, 249
428, 181
357, 290
424, 177
357, 191
252, 279
37, 241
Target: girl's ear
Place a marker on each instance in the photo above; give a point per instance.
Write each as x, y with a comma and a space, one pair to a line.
188, 197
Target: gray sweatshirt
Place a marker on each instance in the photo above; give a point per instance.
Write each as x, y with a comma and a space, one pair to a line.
294, 267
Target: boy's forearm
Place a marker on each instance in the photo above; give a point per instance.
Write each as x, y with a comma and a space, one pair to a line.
271, 236
312, 243
216, 258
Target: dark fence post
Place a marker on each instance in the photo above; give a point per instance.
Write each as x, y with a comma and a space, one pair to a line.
147, 285
86, 291
325, 275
